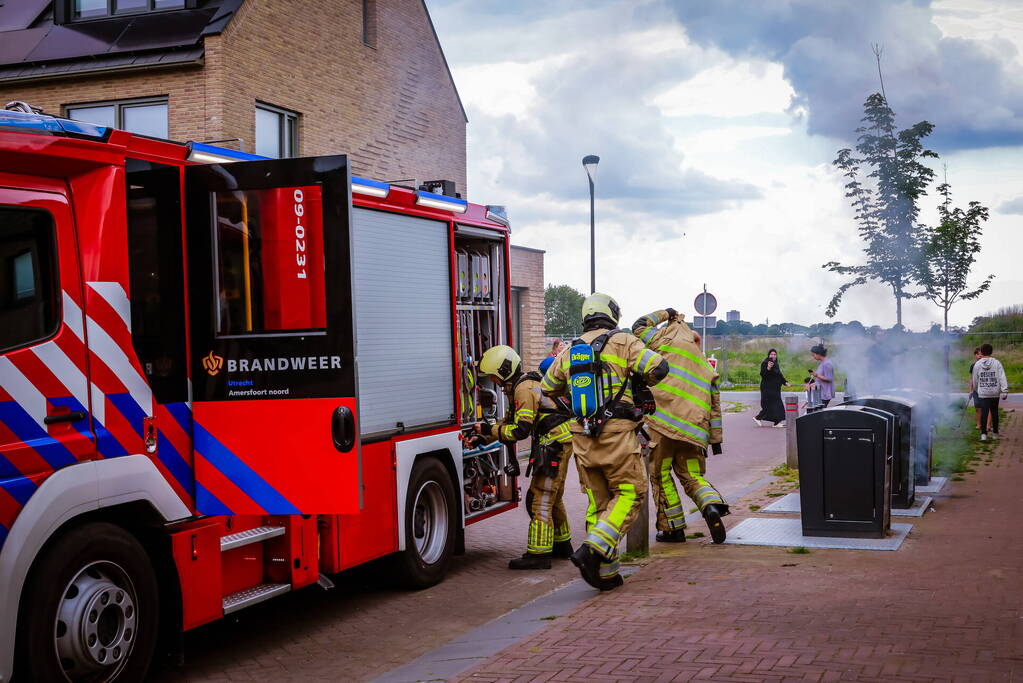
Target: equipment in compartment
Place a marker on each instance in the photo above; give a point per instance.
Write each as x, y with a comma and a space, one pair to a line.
481, 322
484, 481
462, 266
485, 291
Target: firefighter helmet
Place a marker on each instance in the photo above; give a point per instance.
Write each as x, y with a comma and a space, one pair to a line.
598, 305
500, 361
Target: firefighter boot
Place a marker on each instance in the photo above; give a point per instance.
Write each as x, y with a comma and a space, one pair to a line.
713, 513
531, 561
674, 536
588, 562
563, 549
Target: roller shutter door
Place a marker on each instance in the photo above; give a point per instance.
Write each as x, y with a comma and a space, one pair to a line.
403, 320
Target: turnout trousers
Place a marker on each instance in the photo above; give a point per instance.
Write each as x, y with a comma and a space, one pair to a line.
548, 519
612, 473
689, 463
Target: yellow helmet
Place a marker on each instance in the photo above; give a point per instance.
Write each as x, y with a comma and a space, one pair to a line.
500, 361
599, 305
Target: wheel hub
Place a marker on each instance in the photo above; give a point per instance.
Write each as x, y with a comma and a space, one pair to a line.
96, 621
430, 522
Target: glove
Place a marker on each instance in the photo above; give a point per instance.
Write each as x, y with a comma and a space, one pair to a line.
672, 313
715, 448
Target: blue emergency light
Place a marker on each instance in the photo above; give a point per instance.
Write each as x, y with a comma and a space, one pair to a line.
44, 124
442, 202
211, 154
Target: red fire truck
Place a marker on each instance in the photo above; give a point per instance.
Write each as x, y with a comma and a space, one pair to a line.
222, 379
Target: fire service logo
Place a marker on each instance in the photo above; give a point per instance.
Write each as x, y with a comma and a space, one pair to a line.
212, 363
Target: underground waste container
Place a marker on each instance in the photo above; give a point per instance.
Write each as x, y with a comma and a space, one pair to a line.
927, 408
905, 437
845, 466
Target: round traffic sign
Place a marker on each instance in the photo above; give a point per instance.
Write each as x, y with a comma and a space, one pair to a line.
705, 303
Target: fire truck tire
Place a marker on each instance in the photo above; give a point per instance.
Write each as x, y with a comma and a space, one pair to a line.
91, 608
431, 525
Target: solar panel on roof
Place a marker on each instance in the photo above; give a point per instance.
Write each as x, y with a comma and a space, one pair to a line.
19, 14
171, 29
16, 45
76, 40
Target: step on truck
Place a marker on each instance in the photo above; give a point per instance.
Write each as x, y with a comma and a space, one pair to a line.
224, 378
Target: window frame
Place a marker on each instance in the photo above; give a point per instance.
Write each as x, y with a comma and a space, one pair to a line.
64, 11
288, 125
369, 23
119, 107
55, 291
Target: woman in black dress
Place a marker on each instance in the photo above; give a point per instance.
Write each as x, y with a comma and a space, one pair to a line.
771, 380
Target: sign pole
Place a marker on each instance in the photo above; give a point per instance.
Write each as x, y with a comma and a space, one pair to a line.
703, 339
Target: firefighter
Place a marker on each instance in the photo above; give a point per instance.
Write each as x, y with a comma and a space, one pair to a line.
687, 419
608, 454
546, 422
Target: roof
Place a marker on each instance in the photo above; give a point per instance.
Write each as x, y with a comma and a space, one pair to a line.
33, 46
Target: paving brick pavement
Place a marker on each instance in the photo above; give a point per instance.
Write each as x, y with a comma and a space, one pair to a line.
948, 606
365, 628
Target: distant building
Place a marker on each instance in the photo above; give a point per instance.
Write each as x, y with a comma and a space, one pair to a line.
733, 317
527, 304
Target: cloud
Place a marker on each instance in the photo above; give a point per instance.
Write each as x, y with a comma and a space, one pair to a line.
972, 90
1013, 206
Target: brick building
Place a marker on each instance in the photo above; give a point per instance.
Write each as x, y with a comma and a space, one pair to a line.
365, 78
527, 305
279, 78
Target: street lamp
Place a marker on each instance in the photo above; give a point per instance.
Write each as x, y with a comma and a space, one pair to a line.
590, 162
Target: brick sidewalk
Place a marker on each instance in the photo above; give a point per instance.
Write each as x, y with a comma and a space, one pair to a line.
948, 606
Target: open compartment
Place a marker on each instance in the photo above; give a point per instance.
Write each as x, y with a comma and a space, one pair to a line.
481, 311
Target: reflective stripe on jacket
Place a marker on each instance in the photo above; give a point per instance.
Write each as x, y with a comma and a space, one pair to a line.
688, 400
529, 406
622, 354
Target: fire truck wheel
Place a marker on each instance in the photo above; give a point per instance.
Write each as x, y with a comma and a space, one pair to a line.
430, 525
90, 608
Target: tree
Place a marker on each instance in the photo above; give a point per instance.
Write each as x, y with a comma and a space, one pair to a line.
949, 251
563, 307
884, 184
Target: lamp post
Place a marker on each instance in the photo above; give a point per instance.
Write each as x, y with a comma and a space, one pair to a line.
590, 162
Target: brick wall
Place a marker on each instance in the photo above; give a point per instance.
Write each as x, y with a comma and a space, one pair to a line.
527, 274
392, 108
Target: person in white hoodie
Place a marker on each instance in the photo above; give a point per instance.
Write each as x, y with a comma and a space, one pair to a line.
990, 383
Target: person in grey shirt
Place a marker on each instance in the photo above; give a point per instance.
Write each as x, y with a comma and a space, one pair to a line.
824, 376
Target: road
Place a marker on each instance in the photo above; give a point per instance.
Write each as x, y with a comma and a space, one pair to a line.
364, 628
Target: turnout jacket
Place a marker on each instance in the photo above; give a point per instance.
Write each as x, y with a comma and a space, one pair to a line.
688, 400
622, 355
531, 414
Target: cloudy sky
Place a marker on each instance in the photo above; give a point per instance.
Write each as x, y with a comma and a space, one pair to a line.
716, 122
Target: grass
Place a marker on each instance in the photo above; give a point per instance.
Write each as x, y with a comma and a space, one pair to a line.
632, 556
955, 448
732, 407
696, 534
782, 470
800, 550
754, 508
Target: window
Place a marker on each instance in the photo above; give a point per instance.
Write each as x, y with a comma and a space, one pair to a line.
276, 132
145, 117
268, 261
28, 277
369, 22
156, 277
92, 9
516, 318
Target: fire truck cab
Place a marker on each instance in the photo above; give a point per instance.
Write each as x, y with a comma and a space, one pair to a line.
224, 378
